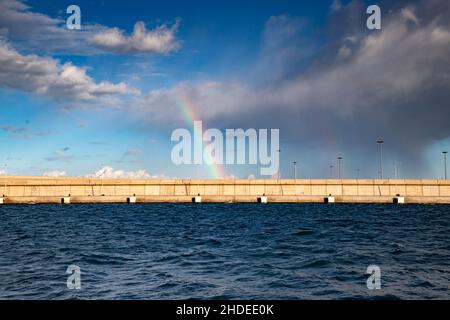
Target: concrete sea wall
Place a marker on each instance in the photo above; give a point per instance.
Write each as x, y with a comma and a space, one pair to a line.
52, 190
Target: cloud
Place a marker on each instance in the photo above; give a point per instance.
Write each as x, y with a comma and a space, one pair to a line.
36, 32
16, 132
33, 31
160, 40
44, 133
210, 100
393, 84
60, 155
131, 156
48, 77
409, 15
229, 176
24, 133
17, 19
132, 152
344, 52
336, 5
55, 173
98, 143
109, 172
13, 129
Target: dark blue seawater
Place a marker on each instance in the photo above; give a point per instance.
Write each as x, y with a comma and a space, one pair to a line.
224, 251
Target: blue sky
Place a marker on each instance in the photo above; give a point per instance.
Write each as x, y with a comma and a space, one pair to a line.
75, 101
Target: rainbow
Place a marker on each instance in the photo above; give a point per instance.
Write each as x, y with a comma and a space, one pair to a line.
186, 106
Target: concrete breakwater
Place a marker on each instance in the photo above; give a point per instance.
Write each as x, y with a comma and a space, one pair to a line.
85, 190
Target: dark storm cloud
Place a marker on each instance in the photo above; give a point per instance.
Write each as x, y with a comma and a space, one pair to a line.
360, 86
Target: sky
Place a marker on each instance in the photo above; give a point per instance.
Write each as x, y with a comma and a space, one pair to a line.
105, 99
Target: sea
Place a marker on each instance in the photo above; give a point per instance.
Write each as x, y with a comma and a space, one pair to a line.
224, 251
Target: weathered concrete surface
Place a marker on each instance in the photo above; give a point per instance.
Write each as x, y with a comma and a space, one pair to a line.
51, 190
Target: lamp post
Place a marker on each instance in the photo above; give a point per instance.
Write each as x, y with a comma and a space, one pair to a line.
357, 173
339, 167
380, 142
295, 169
445, 164
331, 171
395, 170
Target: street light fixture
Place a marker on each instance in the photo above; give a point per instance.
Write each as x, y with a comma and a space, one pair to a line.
395, 169
339, 167
295, 169
380, 142
331, 171
445, 164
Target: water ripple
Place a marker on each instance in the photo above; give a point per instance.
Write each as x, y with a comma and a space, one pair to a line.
223, 251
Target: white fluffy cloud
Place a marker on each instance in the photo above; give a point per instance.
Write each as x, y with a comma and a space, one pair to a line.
159, 40
48, 77
17, 19
109, 172
55, 173
37, 32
